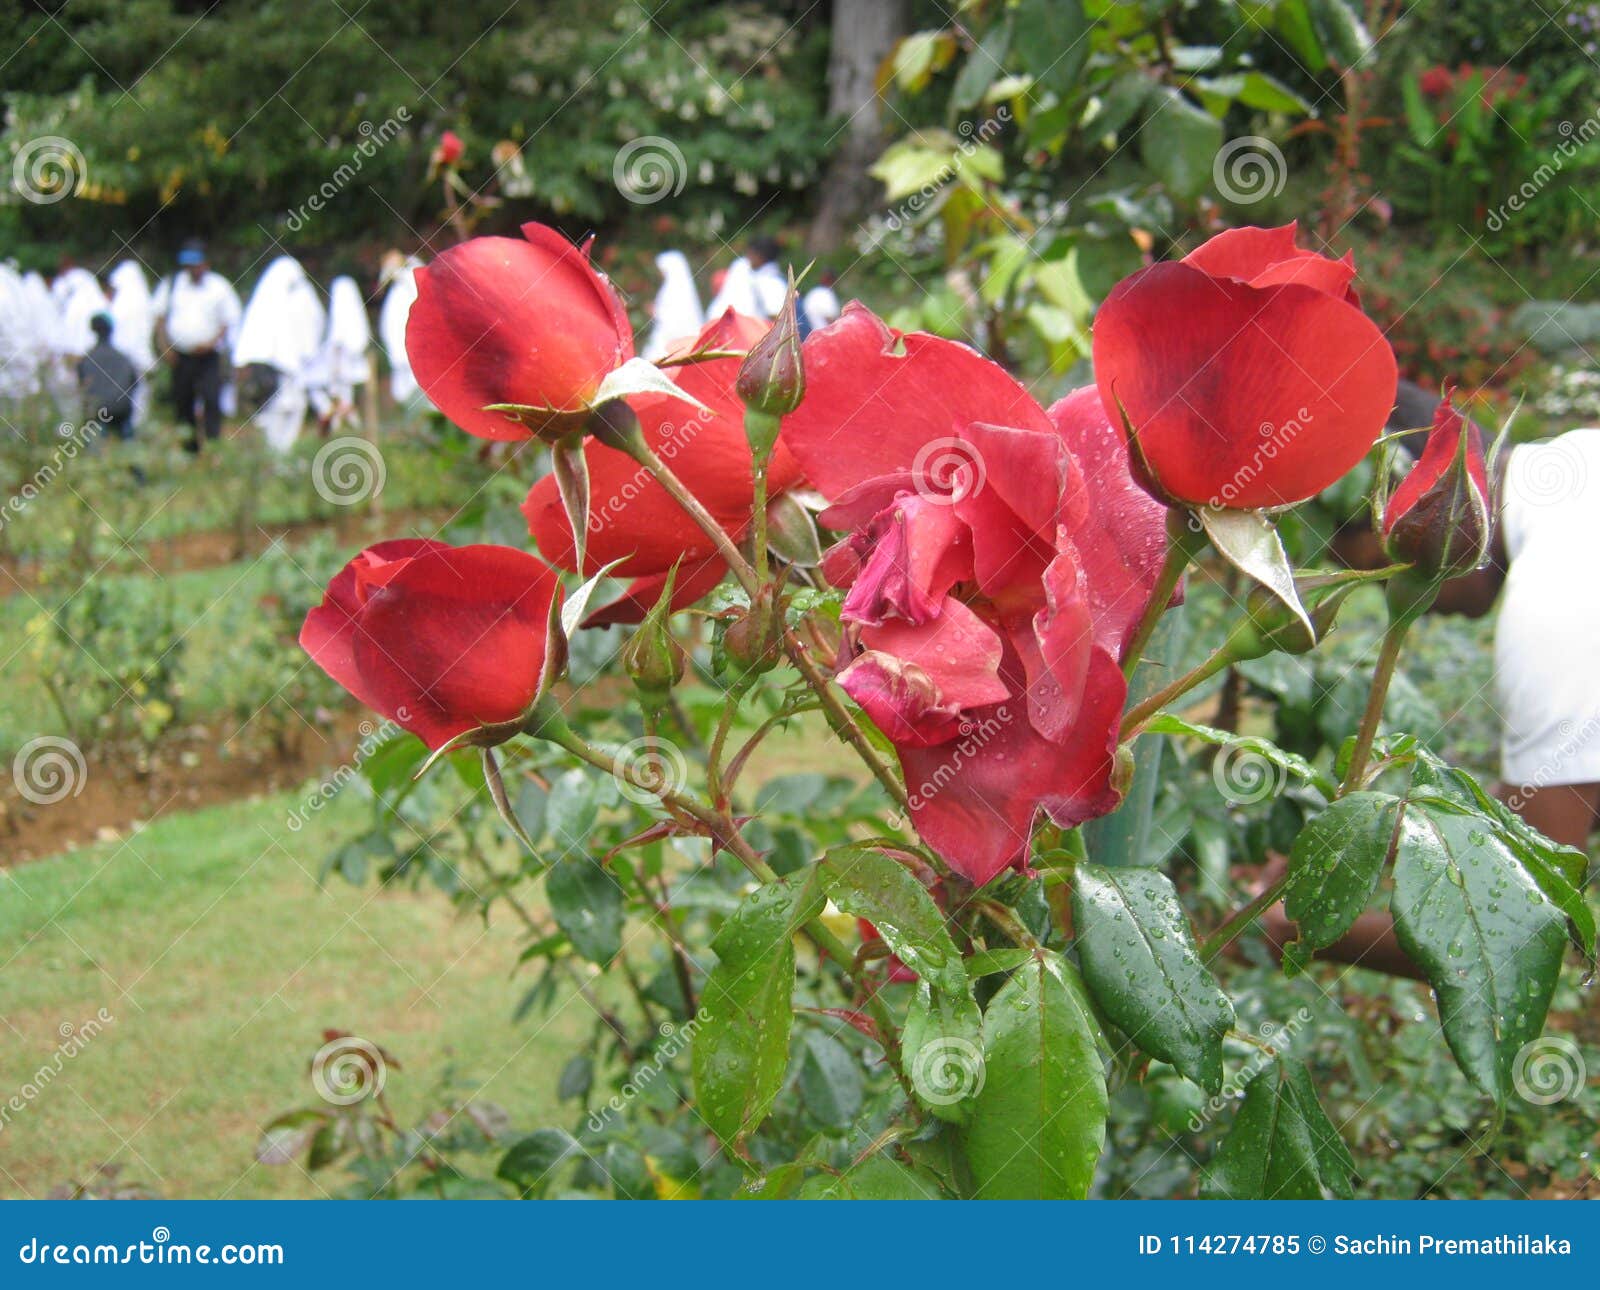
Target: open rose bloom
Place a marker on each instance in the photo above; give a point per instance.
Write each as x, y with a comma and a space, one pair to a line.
998, 557
1245, 373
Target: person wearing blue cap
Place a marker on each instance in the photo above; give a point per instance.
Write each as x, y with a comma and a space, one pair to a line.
194, 312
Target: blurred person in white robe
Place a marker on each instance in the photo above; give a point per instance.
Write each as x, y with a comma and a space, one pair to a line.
676, 314
736, 291
133, 327
399, 274
282, 331
19, 349
342, 363
767, 278
77, 298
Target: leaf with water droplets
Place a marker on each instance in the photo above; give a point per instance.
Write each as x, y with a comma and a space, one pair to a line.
1281, 1145
1140, 963
1334, 868
1457, 886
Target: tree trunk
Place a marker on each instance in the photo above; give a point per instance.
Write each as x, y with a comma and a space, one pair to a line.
864, 31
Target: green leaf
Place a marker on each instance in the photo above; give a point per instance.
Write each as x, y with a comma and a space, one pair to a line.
1295, 26
1282, 1145
1334, 868
741, 1048
1341, 32
571, 810
1179, 142
531, 1161
1140, 962
984, 65
1249, 542
1051, 39
830, 1081
942, 1045
875, 1178
988, 962
1289, 763
869, 884
1039, 1120
587, 904
1490, 941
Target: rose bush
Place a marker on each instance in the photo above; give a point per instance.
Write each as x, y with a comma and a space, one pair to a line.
990, 594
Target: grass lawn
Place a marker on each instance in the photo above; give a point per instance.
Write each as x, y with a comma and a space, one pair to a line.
206, 938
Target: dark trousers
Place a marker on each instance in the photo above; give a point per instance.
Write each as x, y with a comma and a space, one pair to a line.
197, 379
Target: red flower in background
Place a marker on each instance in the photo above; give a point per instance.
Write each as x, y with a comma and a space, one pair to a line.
998, 558
440, 639
1438, 518
449, 149
632, 519
509, 320
1247, 373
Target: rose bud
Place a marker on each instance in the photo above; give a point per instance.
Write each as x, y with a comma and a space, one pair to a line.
652, 657
1245, 375
772, 380
441, 639
516, 321
1270, 626
751, 642
1438, 518
448, 150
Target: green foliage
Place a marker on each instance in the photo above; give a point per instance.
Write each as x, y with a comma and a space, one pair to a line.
312, 124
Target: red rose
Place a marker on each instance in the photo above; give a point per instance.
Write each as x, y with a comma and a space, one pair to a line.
441, 639
449, 149
998, 559
1438, 518
631, 518
1247, 373
508, 320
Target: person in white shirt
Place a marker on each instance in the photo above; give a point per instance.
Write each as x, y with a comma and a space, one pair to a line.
819, 306
194, 311
400, 276
767, 279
